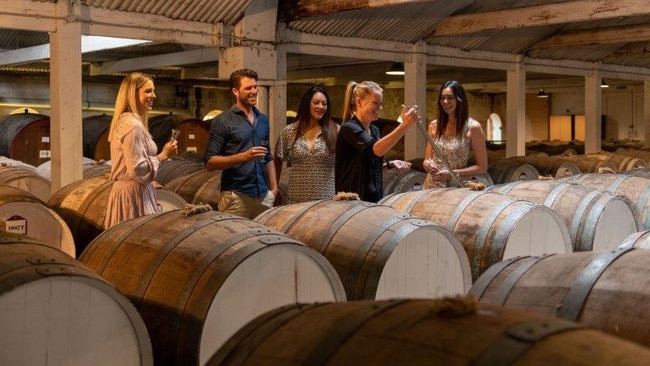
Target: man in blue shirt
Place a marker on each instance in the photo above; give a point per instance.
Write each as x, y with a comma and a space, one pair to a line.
239, 145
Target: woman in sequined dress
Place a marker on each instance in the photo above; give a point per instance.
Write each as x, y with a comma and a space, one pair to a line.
307, 147
458, 136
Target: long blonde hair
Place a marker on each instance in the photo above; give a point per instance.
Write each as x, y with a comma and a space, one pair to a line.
127, 100
357, 90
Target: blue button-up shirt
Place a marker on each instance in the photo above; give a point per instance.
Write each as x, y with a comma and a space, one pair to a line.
232, 133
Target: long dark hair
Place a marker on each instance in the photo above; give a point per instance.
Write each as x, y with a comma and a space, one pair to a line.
303, 116
462, 109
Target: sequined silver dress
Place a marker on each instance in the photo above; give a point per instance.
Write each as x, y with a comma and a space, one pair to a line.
457, 150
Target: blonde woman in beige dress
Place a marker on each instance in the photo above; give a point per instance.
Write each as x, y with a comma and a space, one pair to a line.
133, 152
459, 137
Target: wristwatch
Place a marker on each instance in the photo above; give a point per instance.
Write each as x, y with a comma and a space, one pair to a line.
389, 164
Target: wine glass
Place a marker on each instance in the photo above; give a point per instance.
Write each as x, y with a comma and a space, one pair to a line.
175, 134
265, 144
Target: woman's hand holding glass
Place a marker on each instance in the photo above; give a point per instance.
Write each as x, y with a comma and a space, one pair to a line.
409, 115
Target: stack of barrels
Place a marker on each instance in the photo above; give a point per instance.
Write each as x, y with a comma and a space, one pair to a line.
557, 262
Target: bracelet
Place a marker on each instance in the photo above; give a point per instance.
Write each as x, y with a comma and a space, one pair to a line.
389, 164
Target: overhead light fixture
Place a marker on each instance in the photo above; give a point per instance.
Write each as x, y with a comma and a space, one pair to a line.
603, 84
397, 68
542, 94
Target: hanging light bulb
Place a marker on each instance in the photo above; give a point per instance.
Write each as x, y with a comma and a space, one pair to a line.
542, 94
603, 84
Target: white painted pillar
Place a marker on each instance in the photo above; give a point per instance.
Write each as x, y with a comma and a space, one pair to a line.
65, 98
593, 111
646, 112
415, 93
253, 47
278, 99
516, 110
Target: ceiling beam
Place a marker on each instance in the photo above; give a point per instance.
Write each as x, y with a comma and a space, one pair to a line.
541, 15
197, 56
42, 52
28, 15
313, 44
627, 34
300, 9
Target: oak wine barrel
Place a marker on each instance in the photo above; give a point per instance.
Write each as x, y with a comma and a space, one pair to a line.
56, 311
597, 220
203, 276
622, 162
45, 169
549, 165
198, 187
507, 170
25, 137
418, 333
82, 205
24, 214
639, 240
378, 252
194, 133
95, 130
603, 290
589, 165
5, 161
27, 180
396, 181
636, 189
492, 227
171, 169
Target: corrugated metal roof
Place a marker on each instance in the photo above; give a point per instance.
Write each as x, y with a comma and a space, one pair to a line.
228, 12
409, 22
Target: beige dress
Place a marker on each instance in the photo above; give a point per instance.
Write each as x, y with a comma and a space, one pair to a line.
134, 168
457, 150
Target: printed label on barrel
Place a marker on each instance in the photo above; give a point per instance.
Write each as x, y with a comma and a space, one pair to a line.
16, 224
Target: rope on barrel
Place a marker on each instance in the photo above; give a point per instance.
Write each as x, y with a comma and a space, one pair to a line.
346, 196
474, 186
190, 209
